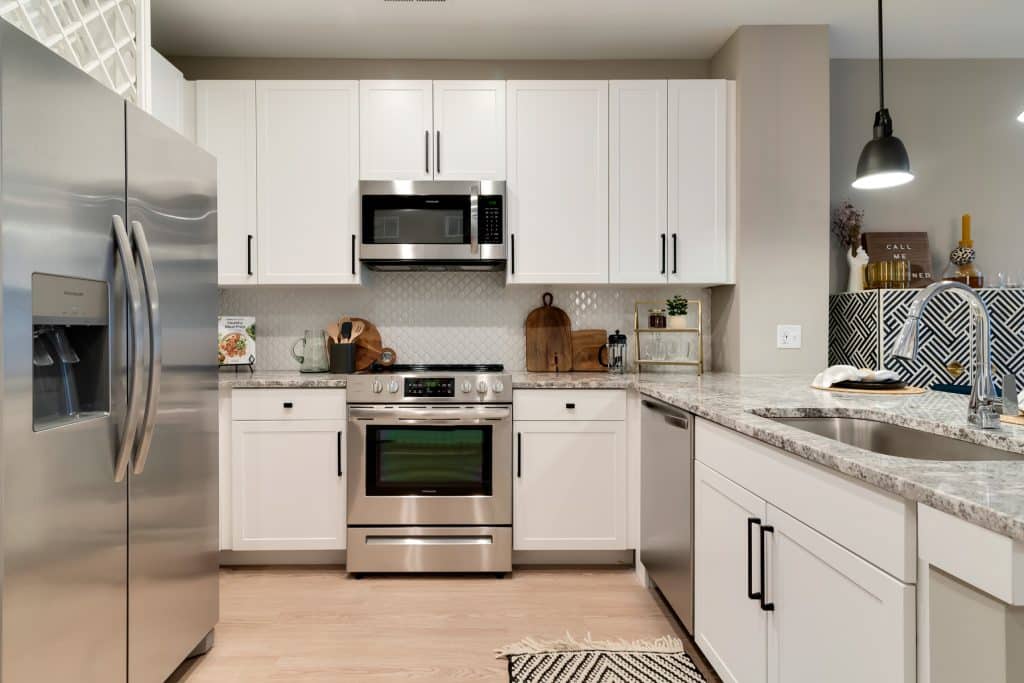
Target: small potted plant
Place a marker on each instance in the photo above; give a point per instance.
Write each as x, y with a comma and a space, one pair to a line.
676, 307
846, 227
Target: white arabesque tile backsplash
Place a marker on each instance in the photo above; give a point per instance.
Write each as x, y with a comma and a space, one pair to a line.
439, 317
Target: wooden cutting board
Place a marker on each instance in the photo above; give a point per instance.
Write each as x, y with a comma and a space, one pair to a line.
368, 344
548, 338
1013, 419
588, 350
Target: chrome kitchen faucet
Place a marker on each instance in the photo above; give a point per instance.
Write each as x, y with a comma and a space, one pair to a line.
982, 410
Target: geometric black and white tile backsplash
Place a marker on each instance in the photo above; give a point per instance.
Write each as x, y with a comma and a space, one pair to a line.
864, 325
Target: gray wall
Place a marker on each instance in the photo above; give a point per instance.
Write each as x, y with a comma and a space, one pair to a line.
228, 68
782, 101
958, 121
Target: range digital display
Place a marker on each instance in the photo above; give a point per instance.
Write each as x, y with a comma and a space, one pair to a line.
430, 387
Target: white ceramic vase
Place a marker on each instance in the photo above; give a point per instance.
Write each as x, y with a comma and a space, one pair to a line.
856, 263
676, 322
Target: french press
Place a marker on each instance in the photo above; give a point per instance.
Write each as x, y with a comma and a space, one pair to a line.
617, 353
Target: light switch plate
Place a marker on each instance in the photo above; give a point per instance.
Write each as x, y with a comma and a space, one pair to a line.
788, 336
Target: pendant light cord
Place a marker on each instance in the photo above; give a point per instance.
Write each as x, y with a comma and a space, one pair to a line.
881, 62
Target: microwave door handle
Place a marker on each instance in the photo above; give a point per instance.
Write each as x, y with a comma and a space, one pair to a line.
137, 331
155, 351
474, 222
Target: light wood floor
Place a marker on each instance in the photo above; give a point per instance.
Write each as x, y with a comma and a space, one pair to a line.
317, 624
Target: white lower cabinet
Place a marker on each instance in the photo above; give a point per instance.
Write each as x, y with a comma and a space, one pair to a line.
731, 629
570, 488
825, 613
287, 474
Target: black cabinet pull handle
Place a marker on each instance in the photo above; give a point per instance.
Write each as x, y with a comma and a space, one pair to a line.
662, 253
766, 606
426, 151
675, 253
340, 472
437, 152
288, 404
513, 238
570, 406
751, 522
519, 455
353, 254
248, 255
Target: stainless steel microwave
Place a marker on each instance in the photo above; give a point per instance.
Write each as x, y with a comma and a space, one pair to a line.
433, 225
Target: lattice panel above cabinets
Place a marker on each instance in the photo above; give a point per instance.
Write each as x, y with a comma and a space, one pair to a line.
97, 36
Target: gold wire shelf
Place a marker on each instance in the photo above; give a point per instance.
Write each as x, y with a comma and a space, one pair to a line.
692, 304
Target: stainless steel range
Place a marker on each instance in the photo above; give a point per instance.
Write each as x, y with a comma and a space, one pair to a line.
430, 470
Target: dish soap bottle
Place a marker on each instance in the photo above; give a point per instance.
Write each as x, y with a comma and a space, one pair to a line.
961, 266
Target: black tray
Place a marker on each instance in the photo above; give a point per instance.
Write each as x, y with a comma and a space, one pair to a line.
873, 386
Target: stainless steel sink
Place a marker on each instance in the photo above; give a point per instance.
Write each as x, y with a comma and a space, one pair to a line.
890, 439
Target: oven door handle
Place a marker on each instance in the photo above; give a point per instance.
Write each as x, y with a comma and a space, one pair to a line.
431, 414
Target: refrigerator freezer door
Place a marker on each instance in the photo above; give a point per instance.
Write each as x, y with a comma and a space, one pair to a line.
173, 487
64, 516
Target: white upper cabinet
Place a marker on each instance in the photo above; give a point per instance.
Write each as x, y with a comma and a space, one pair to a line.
469, 130
226, 127
396, 130
308, 146
638, 188
558, 181
699, 150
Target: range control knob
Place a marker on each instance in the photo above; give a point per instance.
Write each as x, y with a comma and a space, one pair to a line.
377, 386
393, 387
467, 386
482, 387
499, 387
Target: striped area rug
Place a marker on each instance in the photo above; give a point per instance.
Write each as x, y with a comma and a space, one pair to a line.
571, 661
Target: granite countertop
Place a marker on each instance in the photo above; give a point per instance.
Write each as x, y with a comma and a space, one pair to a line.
572, 380
281, 379
989, 494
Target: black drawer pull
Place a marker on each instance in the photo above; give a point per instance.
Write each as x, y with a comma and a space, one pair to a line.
519, 455
765, 605
288, 404
751, 523
570, 406
340, 471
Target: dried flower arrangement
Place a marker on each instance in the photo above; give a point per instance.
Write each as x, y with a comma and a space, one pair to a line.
846, 224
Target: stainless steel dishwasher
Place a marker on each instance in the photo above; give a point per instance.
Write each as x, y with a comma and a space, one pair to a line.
666, 545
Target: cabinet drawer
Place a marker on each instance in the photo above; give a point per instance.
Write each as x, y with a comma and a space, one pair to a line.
288, 404
875, 525
569, 404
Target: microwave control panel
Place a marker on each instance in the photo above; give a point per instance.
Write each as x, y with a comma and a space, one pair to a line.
491, 219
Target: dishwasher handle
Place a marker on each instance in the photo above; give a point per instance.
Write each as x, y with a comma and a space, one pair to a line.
675, 419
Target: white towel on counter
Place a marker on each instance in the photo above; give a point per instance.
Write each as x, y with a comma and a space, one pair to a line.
848, 373
1020, 402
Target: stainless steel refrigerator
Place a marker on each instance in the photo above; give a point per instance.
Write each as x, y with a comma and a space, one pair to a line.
108, 406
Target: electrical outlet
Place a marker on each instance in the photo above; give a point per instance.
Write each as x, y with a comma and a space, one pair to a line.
788, 336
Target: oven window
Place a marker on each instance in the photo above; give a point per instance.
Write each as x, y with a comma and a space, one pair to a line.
415, 220
428, 461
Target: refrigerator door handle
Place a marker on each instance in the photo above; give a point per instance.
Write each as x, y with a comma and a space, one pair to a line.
131, 420
155, 351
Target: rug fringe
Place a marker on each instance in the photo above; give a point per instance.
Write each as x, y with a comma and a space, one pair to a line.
665, 644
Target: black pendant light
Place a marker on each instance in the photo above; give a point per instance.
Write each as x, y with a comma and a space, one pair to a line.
883, 161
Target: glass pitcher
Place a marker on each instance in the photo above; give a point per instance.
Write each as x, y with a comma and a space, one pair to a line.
314, 351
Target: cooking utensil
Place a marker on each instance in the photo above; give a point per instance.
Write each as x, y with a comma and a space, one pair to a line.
334, 332
358, 327
346, 332
548, 338
589, 350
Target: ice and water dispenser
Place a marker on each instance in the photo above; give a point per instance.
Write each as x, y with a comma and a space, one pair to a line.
70, 350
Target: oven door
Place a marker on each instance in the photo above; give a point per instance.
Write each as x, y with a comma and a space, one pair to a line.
418, 228
427, 465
